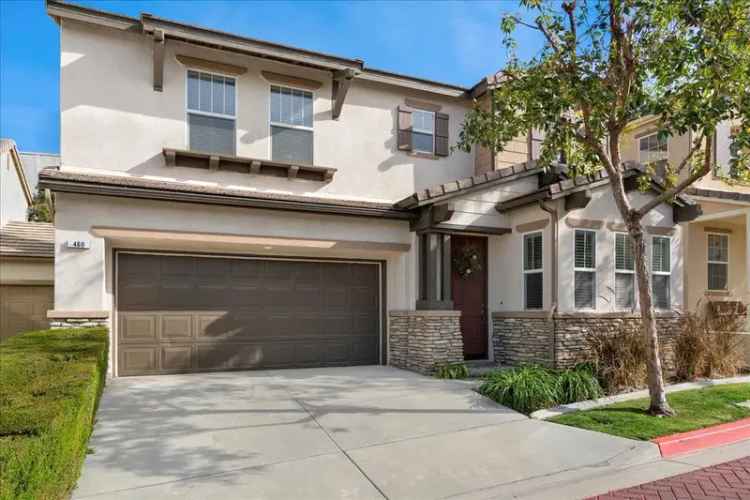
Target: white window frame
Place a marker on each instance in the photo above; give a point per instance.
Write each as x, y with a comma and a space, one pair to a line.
585, 270
530, 271
709, 261
662, 273
189, 111
646, 136
272, 123
623, 271
424, 131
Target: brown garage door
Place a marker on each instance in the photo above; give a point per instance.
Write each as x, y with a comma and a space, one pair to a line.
187, 313
24, 308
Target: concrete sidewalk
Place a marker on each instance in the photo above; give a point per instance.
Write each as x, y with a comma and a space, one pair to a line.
365, 432
598, 480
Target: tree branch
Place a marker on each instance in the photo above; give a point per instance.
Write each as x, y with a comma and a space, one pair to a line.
682, 185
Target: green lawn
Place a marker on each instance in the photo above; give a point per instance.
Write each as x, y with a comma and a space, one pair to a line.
50, 383
695, 409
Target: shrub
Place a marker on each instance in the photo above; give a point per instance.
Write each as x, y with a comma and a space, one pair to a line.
50, 383
619, 359
579, 384
526, 389
452, 371
708, 345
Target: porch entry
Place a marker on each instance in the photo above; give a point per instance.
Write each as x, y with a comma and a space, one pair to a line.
453, 276
469, 287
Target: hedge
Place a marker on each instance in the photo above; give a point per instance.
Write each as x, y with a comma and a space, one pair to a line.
50, 384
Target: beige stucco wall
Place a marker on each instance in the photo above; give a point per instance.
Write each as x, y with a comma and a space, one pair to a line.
697, 255
602, 208
13, 202
21, 271
84, 272
116, 121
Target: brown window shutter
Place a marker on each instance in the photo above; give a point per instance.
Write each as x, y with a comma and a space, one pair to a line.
404, 130
442, 147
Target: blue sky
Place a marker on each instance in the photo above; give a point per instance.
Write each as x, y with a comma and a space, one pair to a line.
450, 41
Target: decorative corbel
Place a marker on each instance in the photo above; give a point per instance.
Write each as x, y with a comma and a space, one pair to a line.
342, 80
159, 44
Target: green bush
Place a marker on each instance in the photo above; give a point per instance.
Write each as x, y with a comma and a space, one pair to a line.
526, 389
531, 387
579, 384
452, 371
50, 383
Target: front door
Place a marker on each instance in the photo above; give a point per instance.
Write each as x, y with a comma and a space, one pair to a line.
469, 286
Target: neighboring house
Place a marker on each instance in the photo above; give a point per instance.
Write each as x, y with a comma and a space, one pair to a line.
716, 247
33, 163
26, 251
227, 203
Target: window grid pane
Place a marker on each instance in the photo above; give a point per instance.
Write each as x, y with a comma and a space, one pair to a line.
718, 248
661, 255
718, 276
660, 289
585, 250
624, 259
210, 93
534, 287
624, 290
291, 107
585, 290
532, 252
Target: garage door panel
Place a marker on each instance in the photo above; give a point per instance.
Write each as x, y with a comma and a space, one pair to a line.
139, 359
177, 358
228, 356
213, 314
136, 327
176, 326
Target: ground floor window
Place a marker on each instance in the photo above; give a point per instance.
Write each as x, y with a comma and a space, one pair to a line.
624, 272
585, 269
533, 272
718, 261
661, 271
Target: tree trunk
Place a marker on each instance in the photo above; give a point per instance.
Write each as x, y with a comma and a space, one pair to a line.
659, 404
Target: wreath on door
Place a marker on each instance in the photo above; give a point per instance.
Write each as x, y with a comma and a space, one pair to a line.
468, 262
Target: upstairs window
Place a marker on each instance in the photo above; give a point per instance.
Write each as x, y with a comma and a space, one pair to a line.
211, 113
585, 269
624, 272
718, 261
533, 272
423, 129
291, 125
652, 148
661, 270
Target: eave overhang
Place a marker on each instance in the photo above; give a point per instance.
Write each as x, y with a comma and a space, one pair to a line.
148, 189
161, 30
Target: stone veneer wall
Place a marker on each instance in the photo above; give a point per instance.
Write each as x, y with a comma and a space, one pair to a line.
77, 319
420, 340
526, 339
560, 341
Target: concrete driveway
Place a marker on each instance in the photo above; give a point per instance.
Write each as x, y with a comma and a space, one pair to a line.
364, 432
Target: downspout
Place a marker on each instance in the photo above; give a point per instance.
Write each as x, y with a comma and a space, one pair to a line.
554, 216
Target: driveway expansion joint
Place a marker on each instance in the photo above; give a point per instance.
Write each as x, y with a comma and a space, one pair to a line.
343, 451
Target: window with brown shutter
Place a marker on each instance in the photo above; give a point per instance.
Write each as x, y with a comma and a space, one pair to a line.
442, 146
404, 130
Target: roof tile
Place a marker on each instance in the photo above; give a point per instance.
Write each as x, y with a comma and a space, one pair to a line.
28, 239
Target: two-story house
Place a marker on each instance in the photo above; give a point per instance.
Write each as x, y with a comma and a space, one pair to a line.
716, 247
229, 203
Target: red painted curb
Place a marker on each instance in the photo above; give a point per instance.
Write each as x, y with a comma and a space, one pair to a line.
710, 437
